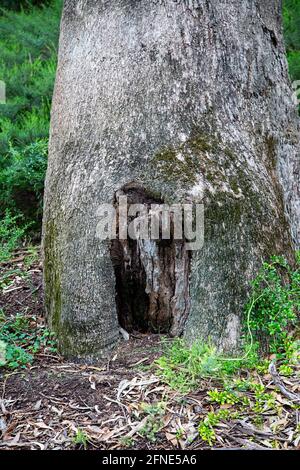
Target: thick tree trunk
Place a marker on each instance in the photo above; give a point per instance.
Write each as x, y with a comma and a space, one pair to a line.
172, 101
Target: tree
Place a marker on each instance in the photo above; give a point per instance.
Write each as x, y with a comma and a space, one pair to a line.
167, 101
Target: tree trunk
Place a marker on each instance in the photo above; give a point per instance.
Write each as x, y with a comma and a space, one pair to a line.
167, 101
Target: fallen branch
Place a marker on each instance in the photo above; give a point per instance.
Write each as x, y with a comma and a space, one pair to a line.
278, 382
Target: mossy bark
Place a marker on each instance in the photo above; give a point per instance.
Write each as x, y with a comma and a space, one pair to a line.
190, 101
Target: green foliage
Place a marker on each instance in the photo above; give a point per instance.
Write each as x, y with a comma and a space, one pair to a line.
81, 439
206, 426
10, 235
291, 22
23, 337
154, 421
182, 366
240, 397
223, 397
32, 256
206, 431
28, 42
263, 402
127, 441
271, 318
275, 302
22, 179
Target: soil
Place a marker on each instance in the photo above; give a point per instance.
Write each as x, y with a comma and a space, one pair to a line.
114, 403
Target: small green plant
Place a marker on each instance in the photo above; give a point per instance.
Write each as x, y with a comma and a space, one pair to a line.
154, 420
11, 234
285, 370
81, 439
2, 353
223, 397
27, 66
275, 306
23, 178
127, 441
182, 366
291, 15
23, 338
206, 426
263, 402
8, 277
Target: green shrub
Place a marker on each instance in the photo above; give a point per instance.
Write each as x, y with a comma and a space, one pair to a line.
22, 180
291, 20
11, 234
23, 337
28, 42
275, 305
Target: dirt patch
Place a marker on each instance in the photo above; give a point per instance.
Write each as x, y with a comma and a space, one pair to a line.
122, 402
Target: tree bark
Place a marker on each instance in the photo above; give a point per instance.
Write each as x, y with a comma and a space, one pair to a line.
176, 101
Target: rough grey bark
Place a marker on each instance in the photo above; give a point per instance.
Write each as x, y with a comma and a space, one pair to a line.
188, 101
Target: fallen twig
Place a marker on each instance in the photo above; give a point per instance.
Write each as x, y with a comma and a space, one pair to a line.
295, 398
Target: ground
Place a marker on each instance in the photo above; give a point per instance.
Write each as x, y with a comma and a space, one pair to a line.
123, 402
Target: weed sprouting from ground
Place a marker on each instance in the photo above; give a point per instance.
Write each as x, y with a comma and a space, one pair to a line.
81, 439
21, 338
11, 233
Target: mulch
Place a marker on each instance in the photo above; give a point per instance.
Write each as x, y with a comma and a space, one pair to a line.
120, 402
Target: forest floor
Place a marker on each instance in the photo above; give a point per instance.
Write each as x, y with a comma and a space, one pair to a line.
121, 402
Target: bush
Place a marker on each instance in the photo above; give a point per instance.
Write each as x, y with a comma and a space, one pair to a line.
275, 305
21, 338
22, 180
11, 234
28, 42
291, 21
